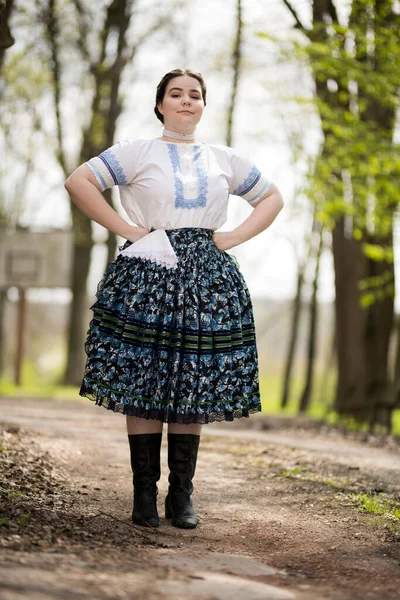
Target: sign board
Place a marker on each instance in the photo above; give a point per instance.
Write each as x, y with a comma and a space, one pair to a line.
35, 258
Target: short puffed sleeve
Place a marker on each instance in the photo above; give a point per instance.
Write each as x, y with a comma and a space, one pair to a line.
246, 179
115, 166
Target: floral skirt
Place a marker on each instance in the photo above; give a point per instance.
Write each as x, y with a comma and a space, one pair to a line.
177, 345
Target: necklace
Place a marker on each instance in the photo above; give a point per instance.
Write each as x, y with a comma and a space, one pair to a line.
178, 136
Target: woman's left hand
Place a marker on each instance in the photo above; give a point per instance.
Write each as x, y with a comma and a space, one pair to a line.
225, 240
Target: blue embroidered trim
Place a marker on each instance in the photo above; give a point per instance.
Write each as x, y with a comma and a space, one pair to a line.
251, 180
265, 188
97, 173
180, 200
113, 166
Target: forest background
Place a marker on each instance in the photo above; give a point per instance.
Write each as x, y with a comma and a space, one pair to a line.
309, 90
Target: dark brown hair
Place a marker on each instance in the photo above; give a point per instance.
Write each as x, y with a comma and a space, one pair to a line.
162, 86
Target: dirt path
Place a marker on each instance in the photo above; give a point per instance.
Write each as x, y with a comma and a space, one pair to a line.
277, 515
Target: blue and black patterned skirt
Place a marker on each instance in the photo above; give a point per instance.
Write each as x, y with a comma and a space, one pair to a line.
177, 345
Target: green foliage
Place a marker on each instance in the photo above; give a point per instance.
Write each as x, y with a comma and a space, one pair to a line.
23, 520
378, 254
298, 473
294, 472
379, 287
378, 504
35, 389
321, 404
357, 171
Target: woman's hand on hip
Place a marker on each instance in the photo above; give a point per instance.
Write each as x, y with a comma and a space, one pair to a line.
135, 233
225, 240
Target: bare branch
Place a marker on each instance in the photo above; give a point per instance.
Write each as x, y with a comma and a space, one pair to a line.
82, 27
332, 12
299, 24
158, 25
236, 59
52, 34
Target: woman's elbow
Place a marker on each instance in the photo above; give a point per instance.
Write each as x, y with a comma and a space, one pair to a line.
281, 202
68, 183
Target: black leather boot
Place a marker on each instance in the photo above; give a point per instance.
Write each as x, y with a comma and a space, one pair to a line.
145, 463
182, 458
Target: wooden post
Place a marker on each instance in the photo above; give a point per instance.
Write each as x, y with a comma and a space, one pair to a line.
21, 324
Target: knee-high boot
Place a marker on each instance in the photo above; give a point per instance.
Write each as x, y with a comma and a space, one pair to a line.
145, 463
182, 458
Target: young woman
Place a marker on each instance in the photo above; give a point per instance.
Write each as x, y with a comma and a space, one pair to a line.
172, 337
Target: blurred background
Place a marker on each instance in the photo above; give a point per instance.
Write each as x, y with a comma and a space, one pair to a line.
308, 90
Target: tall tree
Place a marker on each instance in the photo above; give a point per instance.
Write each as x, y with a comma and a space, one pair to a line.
313, 324
6, 41
356, 73
114, 53
236, 65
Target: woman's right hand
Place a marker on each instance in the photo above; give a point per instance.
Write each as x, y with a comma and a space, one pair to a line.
136, 233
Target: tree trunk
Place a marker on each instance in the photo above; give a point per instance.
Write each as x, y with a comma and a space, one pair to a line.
362, 334
81, 255
236, 57
312, 338
396, 376
294, 333
3, 305
377, 334
106, 109
349, 270
330, 364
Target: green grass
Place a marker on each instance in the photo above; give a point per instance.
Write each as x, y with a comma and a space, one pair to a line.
38, 390
321, 402
296, 471
306, 475
377, 504
34, 386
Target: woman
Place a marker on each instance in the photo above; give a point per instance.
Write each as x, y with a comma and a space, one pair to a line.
172, 337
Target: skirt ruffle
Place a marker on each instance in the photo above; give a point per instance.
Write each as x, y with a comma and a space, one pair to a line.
176, 345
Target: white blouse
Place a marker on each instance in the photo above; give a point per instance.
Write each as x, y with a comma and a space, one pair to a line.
168, 185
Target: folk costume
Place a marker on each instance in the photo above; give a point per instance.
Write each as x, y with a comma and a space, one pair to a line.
172, 336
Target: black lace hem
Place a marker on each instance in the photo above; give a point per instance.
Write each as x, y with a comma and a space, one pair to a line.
167, 416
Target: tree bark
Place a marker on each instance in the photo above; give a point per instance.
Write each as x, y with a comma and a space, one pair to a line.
312, 337
350, 321
236, 58
294, 334
106, 109
396, 375
362, 334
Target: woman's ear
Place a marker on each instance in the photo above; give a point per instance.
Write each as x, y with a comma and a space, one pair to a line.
160, 108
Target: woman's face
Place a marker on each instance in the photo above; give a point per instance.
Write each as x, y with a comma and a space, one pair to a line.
182, 105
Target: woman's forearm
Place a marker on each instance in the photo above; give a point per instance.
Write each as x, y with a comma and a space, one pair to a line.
260, 218
89, 200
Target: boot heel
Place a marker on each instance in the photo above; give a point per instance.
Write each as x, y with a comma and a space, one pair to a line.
168, 514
